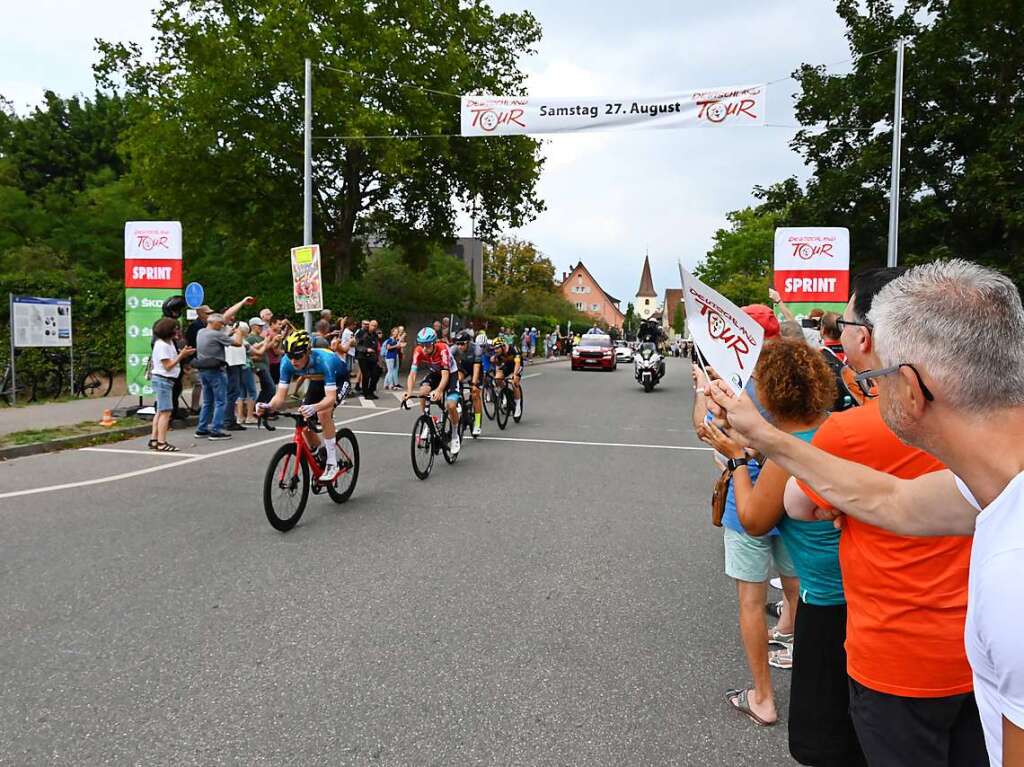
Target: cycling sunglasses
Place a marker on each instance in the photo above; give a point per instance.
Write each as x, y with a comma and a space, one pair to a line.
296, 355
869, 375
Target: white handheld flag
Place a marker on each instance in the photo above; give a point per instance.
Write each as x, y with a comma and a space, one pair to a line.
728, 337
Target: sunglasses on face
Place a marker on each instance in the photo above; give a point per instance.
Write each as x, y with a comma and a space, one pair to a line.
298, 356
870, 375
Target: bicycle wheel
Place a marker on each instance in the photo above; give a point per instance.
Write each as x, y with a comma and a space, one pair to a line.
446, 441
503, 407
522, 405
348, 461
489, 399
95, 383
422, 447
48, 385
285, 491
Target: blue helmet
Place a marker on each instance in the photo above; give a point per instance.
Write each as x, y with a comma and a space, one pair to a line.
426, 336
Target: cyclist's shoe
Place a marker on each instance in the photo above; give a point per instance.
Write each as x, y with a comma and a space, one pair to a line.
330, 473
456, 444
476, 431
519, 409
218, 435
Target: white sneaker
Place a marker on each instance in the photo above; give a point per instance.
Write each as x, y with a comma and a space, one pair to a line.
456, 444
519, 410
330, 473
476, 431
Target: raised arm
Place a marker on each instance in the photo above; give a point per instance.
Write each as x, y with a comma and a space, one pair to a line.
928, 505
773, 294
229, 315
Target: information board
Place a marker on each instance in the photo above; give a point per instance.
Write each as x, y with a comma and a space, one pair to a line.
41, 321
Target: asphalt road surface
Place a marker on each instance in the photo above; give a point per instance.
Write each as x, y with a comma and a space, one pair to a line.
556, 598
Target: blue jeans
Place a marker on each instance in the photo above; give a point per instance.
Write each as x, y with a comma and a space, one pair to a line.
234, 391
267, 385
248, 390
391, 379
215, 400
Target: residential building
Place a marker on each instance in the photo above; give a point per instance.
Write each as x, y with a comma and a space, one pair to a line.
673, 298
583, 291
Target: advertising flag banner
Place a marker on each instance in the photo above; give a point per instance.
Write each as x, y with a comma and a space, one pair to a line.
812, 264
307, 288
728, 337
152, 274
726, 107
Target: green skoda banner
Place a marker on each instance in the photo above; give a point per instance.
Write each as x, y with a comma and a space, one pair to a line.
142, 308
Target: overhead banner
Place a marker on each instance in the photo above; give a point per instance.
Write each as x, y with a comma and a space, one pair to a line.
307, 288
731, 106
152, 274
812, 264
729, 338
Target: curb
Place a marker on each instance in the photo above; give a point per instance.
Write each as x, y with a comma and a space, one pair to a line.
79, 440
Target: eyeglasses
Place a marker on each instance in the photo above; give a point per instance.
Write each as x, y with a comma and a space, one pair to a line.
868, 375
841, 323
296, 355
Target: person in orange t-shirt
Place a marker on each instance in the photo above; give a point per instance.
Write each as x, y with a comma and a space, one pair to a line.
911, 689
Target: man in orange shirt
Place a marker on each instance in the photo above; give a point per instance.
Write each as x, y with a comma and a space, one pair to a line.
911, 690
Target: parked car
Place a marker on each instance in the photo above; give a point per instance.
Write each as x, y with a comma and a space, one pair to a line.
623, 352
594, 352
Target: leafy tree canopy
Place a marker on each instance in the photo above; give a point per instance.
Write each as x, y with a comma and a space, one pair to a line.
218, 134
516, 264
739, 263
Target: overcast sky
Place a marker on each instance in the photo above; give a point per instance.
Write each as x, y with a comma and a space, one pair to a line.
610, 196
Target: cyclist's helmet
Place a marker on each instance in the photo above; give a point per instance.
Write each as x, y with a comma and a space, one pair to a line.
297, 344
426, 336
498, 342
463, 337
173, 307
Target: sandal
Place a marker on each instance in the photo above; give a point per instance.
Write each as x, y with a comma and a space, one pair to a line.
152, 444
777, 637
740, 700
165, 447
781, 658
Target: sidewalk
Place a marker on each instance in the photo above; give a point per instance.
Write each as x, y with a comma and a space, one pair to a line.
49, 415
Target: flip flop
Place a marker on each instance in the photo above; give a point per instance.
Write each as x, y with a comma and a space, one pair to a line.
777, 637
740, 701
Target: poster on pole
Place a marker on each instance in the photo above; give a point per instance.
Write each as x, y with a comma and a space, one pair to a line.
725, 107
812, 265
728, 337
307, 287
41, 322
152, 274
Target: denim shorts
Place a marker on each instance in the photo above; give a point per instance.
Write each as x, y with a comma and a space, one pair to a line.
248, 388
750, 558
163, 388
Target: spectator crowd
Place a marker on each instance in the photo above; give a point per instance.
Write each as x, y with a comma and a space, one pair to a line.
874, 462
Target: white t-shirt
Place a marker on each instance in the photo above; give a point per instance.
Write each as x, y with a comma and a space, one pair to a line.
994, 633
346, 337
164, 350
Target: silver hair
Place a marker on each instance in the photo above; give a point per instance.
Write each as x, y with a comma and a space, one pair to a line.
962, 325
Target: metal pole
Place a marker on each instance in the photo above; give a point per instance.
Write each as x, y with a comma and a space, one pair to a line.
897, 131
14, 380
307, 177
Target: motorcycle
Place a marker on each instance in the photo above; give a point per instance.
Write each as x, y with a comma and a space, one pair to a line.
649, 367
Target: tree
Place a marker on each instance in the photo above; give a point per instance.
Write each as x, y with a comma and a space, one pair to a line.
962, 122
739, 263
443, 285
516, 264
629, 319
679, 319
217, 138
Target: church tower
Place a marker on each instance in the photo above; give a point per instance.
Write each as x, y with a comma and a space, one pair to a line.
646, 297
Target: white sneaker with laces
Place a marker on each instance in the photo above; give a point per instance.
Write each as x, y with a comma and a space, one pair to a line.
330, 473
456, 444
476, 431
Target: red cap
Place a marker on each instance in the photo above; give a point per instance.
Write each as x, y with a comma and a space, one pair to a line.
764, 317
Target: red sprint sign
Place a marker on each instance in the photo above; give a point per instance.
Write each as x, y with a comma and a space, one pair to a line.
813, 285
152, 273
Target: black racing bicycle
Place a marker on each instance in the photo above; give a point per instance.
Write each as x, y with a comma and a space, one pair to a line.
431, 434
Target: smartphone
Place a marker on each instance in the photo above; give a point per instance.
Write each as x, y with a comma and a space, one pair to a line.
811, 322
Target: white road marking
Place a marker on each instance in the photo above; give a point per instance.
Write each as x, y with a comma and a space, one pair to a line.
551, 441
175, 454
532, 375
165, 467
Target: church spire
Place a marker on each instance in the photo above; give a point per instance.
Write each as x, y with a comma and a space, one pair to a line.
646, 283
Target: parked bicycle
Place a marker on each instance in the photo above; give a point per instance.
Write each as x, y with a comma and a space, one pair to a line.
287, 483
431, 434
91, 380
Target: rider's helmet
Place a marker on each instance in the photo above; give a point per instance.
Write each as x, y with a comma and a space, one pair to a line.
173, 307
463, 337
297, 344
426, 337
498, 342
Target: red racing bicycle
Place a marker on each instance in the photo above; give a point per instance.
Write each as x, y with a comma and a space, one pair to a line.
287, 483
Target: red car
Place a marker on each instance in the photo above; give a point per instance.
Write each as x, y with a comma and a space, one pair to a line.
595, 352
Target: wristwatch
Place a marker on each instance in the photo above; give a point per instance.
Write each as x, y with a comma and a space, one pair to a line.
734, 463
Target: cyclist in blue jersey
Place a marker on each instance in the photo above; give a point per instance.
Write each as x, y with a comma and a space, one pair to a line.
469, 359
327, 377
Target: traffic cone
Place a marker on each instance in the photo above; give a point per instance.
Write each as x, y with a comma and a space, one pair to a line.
108, 418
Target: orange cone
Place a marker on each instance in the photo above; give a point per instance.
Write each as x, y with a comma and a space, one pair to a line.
108, 418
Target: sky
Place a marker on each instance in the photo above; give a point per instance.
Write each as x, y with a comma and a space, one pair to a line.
610, 197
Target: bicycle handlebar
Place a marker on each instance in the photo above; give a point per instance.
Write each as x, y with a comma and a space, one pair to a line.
300, 420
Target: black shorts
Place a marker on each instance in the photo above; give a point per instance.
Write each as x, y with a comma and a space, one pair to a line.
507, 368
316, 391
433, 380
820, 728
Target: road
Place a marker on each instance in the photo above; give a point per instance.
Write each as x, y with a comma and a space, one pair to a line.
556, 598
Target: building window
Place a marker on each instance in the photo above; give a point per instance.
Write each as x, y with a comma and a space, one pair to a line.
586, 290
579, 306
593, 307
